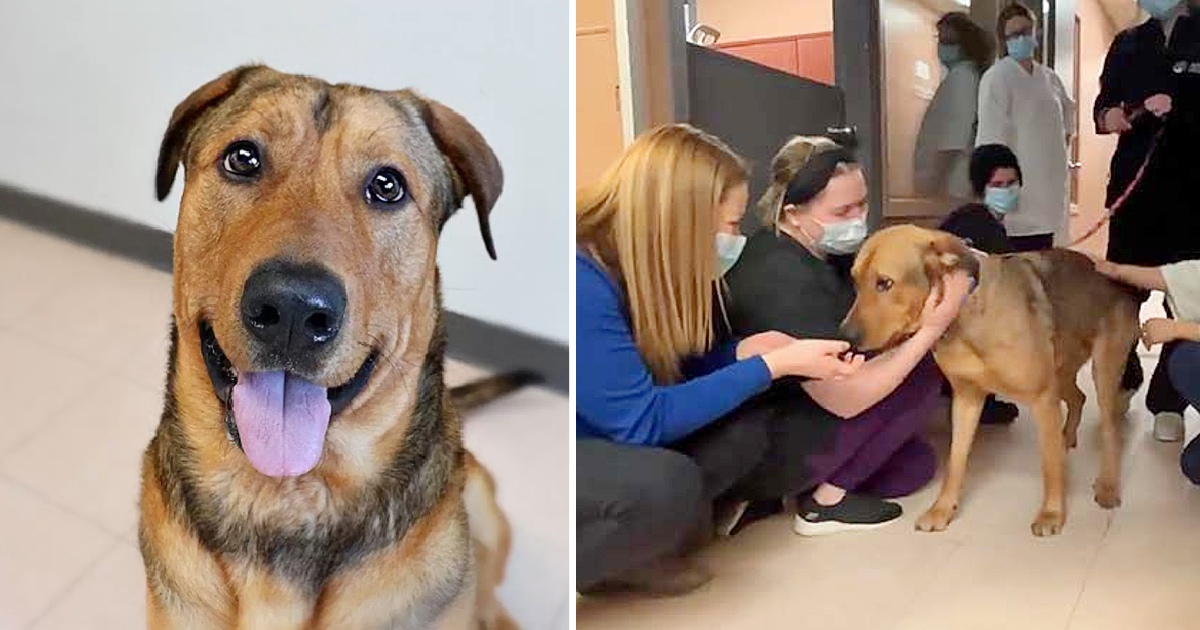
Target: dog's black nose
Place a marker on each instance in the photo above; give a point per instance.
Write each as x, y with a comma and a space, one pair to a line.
293, 309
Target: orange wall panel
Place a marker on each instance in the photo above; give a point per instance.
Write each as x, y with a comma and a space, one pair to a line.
778, 54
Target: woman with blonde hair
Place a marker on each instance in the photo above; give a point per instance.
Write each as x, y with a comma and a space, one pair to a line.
658, 379
840, 448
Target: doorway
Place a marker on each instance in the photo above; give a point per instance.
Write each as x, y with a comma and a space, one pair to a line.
776, 68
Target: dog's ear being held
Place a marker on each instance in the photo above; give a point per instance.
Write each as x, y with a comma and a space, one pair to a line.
174, 142
947, 253
475, 168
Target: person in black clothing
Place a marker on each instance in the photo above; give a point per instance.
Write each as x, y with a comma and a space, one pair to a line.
1150, 88
840, 449
996, 182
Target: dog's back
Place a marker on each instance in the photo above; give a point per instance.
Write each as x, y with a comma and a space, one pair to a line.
1080, 298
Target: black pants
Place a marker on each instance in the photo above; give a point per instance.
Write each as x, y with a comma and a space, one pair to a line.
1161, 396
638, 504
1032, 242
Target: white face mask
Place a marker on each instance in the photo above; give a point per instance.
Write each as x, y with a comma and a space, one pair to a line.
843, 237
729, 249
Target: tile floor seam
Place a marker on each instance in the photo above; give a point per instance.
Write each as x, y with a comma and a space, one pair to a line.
71, 351
41, 496
908, 611
55, 417
68, 587
67, 285
1108, 522
52, 419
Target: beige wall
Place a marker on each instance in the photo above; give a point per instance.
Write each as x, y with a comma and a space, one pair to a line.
741, 20
599, 139
1095, 152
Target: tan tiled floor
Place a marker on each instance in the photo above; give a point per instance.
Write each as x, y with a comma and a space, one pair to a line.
1137, 568
82, 355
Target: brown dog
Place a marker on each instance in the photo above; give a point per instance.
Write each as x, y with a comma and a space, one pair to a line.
1033, 321
309, 471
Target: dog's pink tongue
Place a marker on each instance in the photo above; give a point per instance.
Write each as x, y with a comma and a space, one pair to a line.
281, 420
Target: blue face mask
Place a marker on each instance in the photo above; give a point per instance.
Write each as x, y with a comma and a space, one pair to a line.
843, 237
949, 54
1001, 200
1021, 47
729, 249
1159, 9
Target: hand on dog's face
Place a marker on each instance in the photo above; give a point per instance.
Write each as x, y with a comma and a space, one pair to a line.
307, 236
895, 274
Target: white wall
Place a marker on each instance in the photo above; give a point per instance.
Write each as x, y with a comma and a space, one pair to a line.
1064, 49
86, 89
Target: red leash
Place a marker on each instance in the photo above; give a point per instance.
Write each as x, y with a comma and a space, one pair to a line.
1137, 179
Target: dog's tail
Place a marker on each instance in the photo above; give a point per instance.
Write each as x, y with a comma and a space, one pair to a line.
482, 391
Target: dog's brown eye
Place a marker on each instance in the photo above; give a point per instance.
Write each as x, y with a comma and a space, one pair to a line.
386, 186
242, 160
883, 285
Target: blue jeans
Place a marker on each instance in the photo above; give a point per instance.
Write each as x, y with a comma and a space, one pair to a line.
1183, 366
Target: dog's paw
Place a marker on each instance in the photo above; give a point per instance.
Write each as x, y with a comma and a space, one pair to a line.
1070, 439
1108, 496
1048, 523
935, 520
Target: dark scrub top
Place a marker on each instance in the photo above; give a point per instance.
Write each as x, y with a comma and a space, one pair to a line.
1158, 223
976, 225
777, 284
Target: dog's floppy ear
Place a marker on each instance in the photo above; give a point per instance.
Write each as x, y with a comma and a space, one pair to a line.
174, 141
947, 253
475, 169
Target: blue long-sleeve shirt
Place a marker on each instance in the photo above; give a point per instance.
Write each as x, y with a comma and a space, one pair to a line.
615, 394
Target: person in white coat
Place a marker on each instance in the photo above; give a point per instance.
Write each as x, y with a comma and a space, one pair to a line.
1023, 105
942, 156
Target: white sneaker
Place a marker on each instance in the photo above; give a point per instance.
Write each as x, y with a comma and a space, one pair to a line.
1168, 426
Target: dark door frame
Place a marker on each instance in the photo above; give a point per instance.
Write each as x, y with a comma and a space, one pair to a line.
858, 69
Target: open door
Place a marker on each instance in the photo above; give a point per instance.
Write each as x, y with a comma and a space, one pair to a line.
772, 106
753, 106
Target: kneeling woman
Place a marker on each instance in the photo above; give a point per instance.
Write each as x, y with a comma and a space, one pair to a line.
655, 386
840, 446
1181, 283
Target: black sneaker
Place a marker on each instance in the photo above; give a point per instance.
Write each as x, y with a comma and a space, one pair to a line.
853, 512
740, 515
997, 411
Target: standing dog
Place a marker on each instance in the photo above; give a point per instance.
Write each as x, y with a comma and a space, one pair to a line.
1033, 321
309, 471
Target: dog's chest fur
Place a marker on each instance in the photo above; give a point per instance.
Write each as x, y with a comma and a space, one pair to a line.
316, 547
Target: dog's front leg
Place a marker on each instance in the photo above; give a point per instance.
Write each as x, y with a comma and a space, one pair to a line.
964, 417
266, 601
491, 538
1047, 412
